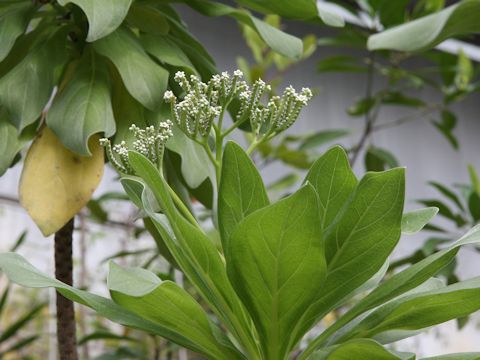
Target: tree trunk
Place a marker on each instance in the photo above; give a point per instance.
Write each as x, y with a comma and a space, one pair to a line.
66, 335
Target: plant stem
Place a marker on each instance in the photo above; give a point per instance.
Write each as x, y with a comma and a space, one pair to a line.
66, 332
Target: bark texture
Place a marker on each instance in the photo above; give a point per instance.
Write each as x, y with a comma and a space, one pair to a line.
66, 333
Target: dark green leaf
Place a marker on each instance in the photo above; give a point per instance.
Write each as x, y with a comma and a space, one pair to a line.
379, 159
26, 89
83, 106
144, 79
104, 17
148, 19
14, 18
340, 63
448, 193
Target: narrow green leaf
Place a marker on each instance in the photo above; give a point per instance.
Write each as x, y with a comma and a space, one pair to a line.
459, 356
241, 190
281, 42
14, 19
196, 255
443, 210
277, 267
15, 327
362, 349
104, 17
334, 181
144, 79
83, 107
26, 88
414, 221
448, 193
428, 31
143, 293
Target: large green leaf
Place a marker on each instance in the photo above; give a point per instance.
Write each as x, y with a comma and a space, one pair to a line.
334, 181
26, 88
194, 252
241, 190
144, 79
196, 166
428, 31
414, 221
83, 107
104, 17
360, 240
143, 293
298, 9
23, 273
361, 349
281, 42
400, 283
277, 266
14, 18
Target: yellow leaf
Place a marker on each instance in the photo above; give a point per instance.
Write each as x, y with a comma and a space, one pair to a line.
57, 183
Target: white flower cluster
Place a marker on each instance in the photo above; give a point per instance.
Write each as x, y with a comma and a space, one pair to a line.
203, 102
280, 112
149, 142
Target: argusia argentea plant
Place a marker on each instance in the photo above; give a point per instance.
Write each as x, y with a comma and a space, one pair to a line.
283, 266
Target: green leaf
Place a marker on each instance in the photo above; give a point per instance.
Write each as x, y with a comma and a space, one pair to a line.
196, 166
196, 255
277, 267
148, 19
414, 221
104, 17
459, 356
144, 79
340, 63
444, 210
23, 273
83, 106
474, 206
241, 191
22, 322
323, 137
10, 142
399, 99
474, 180
400, 283
334, 181
281, 42
448, 193
14, 19
299, 9
362, 349
143, 293
446, 127
359, 240
465, 71
165, 50
104, 335
379, 159
361, 106
425, 309
26, 89
428, 31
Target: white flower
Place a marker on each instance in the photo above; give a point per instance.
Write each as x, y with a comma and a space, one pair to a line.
169, 96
